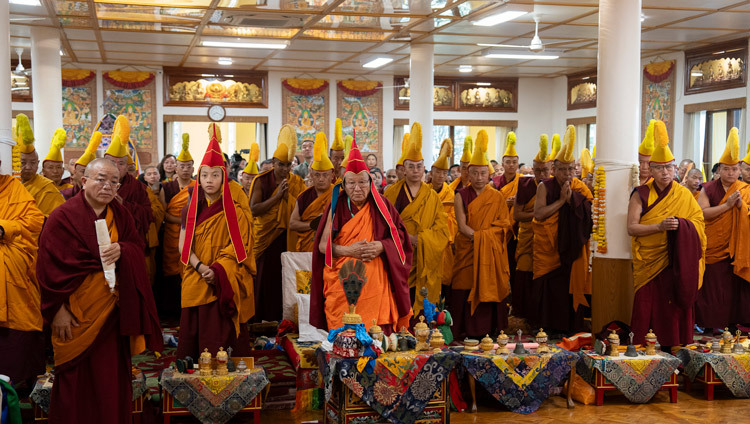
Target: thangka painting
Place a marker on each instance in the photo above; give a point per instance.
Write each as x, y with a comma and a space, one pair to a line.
360, 106
78, 105
305, 107
138, 105
658, 95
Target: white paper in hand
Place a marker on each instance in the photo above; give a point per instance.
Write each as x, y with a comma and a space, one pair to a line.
102, 237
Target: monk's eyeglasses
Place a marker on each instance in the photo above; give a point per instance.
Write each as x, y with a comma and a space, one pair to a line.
660, 168
362, 185
103, 183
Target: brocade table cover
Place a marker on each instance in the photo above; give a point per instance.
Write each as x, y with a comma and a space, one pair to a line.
732, 368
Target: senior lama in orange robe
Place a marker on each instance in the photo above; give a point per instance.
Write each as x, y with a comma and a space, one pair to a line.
385, 296
481, 274
562, 228
725, 201
447, 197
92, 369
217, 283
271, 209
21, 338
312, 202
425, 218
669, 243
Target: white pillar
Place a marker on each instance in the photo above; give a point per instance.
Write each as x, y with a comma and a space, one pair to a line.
421, 70
6, 139
46, 82
618, 112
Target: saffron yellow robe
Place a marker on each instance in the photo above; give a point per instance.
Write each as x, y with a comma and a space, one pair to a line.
650, 254
63, 186
510, 190
170, 248
481, 265
456, 184
305, 240
728, 235
425, 218
269, 226
525, 246
45, 193
20, 299
447, 197
157, 208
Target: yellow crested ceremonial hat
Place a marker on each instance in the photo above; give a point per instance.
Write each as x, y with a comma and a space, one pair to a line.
510, 145
444, 158
24, 135
118, 144
555, 147
731, 155
541, 155
404, 148
479, 157
90, 153
348, 143
184, 155
58, 142
286, 144
414, 148
647, 145
587, 163
566, 151
338, 137
252, 163
746, 159
662, 153
468, 149
321, 162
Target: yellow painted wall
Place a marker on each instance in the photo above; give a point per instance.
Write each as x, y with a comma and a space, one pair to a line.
199, 138
245, 136
491, 150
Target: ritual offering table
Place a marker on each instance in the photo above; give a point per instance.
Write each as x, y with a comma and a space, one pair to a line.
521, 382
717, 369
638, 378
212, 399
399, 387
302, 356
40, 395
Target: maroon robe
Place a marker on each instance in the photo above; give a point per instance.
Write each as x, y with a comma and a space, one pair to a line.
500, 181
70, 191
489, 317
136, 201
553, 305
398, 273
68, 253
305, 198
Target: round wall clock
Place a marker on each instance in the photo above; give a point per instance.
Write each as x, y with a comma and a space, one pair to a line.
216, 112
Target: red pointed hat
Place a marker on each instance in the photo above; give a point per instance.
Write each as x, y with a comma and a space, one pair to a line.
355, 163
213, 158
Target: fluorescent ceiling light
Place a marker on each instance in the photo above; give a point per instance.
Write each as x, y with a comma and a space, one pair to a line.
484, 84
224, 61
378, 62
529, 56
26, 2
499, 18
465, 68
244, 44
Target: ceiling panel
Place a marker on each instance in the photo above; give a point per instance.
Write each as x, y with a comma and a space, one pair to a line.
88, 54
456, 50
738, 21
140, 56
84, 45
682, 35
80, 34
506, 29
312, 64
333, 46
146, 37
144, 48
312, 55
18, 30
690, 4
212, 61
214, 51
570, 31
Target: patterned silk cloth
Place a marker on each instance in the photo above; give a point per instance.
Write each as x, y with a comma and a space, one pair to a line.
637, 378
216, 398
520, 382
732, 368
43, 389
400, 385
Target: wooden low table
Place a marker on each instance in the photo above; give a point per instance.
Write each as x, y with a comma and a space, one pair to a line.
601, 385
171, 407
708, 378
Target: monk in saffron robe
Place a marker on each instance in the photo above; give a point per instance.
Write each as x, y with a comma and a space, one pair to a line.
523, 213
425, 220
96, 325
669, 242
361, 224
52, 165
132, 194
312, 202
21, 338
400, 171
251, 170
463, 180
726, 208
562, 227
174, 195
79, 167
744, 167
645, 150
43, 190
481, 275
337, 153
217, 283
693, 181
272, 198
447, 196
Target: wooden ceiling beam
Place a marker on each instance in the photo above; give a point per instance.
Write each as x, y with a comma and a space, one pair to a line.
50, 8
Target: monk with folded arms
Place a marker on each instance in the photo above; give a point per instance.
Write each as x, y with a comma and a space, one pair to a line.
97, 324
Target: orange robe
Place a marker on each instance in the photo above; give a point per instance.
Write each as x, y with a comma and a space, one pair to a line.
425, 218
21, 340
157, 208
63, 186
45, 193
447, 196
315, 208
456, 184
170, 245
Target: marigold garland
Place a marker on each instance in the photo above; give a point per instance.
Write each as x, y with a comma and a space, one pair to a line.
305, 86
77, 77
128, 79
658, 72
359, 88
599, 212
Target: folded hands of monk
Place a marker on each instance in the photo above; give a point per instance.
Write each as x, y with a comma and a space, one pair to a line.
365, 250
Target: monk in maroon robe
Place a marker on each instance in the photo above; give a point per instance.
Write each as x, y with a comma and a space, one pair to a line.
95, 329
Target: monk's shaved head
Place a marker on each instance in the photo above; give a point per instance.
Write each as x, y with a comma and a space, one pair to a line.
99, 164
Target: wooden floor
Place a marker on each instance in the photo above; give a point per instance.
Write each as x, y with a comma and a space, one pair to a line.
690, 408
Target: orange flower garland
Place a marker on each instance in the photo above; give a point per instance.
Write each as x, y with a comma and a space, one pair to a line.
658, 72
359, 88
128, 79
77, 77
305, 86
